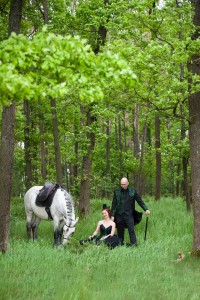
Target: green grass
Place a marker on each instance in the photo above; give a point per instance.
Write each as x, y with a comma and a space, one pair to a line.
37, 270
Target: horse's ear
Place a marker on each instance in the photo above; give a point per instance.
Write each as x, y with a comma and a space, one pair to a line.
75, 221
65, 227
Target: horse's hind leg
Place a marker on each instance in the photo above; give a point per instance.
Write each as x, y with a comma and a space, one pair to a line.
29, 216
28, 228
34, 227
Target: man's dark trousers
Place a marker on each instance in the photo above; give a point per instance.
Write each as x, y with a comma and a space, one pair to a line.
122, 221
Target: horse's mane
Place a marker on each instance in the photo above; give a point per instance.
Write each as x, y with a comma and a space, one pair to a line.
70, 207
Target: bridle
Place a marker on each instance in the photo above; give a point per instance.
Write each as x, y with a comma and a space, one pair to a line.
68, 227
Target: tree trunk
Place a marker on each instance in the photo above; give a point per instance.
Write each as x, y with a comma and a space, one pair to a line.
177, 180
27, 154
7, 143
45, 12
15, 16
142, 177
120, 144
171, 186
116, 133
108, 148
102, 32
6, 174
186, 184
59, 179
125, 121
74, 168
158, 159
139, 141
194, 109
194, 134
84, 204
136, 143
66, 176
43, 152
105, 192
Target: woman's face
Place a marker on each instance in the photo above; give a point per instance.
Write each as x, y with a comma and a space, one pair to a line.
105, 214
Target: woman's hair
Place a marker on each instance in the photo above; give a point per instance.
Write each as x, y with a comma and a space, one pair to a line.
108, 211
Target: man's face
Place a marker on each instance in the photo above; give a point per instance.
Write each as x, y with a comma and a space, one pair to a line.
124, 184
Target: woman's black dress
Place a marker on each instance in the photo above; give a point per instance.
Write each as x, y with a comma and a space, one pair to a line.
111, 241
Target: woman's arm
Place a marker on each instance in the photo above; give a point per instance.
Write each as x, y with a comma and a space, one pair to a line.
113, 229
96, 231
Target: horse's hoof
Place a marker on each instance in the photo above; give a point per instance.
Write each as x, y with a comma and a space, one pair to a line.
57, 244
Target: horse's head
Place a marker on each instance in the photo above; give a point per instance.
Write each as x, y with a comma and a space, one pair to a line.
68, 230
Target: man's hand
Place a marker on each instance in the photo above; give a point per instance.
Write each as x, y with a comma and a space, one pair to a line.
147, 212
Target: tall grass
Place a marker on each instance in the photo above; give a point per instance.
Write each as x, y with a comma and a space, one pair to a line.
37, 270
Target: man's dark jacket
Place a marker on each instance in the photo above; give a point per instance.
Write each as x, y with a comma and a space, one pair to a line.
121, 205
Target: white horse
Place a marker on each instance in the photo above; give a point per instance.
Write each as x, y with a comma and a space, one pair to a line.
61, 209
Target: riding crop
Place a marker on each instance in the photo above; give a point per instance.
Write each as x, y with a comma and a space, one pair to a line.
145, 233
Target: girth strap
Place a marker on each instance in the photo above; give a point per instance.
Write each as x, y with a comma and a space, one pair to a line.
49, 213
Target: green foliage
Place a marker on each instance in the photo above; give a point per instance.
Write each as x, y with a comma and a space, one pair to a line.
143, 60
49, 64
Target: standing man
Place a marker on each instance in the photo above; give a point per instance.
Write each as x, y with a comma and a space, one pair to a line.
123, 206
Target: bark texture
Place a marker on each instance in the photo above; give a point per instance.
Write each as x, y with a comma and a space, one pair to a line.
56, 143
158, 159
194, 135
7, 142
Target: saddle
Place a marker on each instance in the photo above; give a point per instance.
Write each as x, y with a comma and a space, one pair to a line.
45, 196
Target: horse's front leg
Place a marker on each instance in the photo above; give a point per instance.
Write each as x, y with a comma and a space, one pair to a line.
57, 234
62, 223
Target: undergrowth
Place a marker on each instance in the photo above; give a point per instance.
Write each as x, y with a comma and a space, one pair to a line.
153, 270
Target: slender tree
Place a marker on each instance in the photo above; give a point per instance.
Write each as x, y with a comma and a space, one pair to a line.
84, 203
120, 144
27, 146
136, 144
56, 143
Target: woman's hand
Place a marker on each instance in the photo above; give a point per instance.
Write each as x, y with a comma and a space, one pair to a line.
104, 237
91, 237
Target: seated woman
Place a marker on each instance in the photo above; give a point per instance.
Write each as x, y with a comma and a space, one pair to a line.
106, 228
